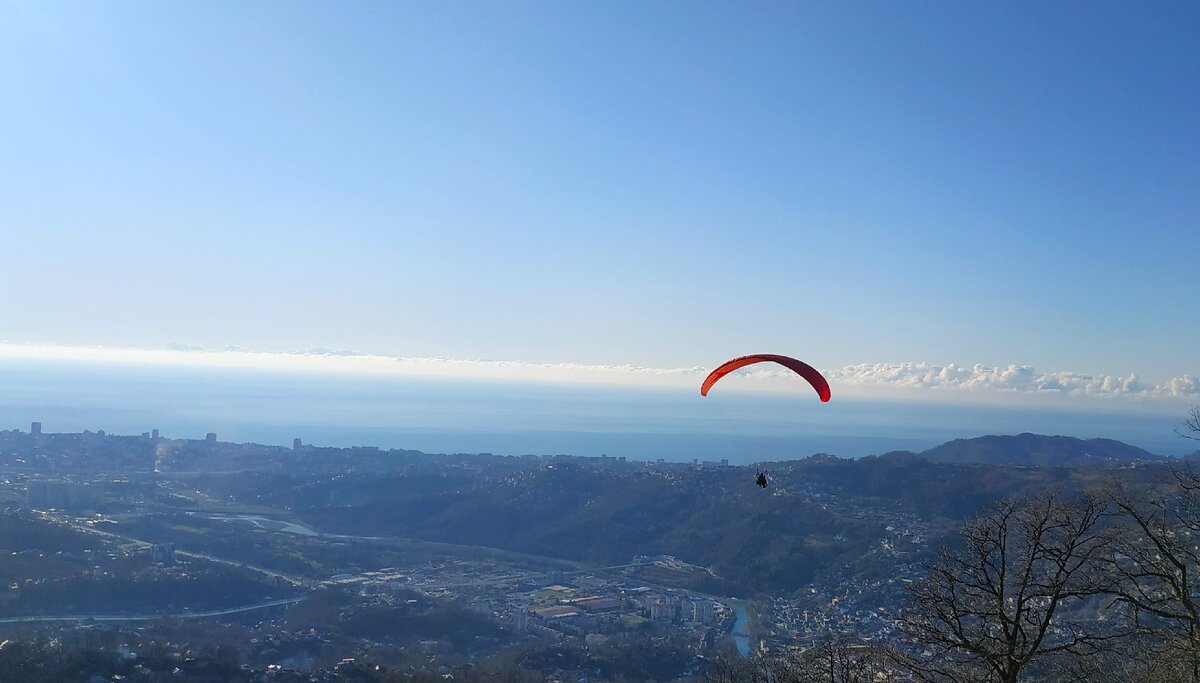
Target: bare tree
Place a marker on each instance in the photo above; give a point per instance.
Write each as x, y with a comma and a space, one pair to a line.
834, 660
735, 670
1009, 598
1190, 429
839, 660
1157, 560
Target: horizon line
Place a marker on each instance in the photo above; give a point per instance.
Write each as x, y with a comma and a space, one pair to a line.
926, 382
103, 433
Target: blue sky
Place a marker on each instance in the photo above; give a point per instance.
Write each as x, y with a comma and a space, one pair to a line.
657, 184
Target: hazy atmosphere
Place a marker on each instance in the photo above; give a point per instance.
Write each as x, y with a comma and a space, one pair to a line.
599, 342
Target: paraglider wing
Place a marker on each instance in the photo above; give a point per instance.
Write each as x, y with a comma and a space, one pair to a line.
801, 368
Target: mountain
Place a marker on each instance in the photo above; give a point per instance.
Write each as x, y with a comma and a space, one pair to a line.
1037, 450
822, 518
712, 517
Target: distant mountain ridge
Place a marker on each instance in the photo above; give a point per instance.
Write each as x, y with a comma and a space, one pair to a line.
823, 518
1038, 450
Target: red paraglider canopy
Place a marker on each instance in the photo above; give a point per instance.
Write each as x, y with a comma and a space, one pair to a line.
801, 368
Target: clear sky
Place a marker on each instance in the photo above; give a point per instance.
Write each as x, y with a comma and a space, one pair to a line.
659, 184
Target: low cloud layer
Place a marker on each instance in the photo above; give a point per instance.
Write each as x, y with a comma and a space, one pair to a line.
863, 379
1012, 379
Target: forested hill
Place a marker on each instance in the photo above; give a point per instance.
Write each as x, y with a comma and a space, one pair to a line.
1036, 450
821, 516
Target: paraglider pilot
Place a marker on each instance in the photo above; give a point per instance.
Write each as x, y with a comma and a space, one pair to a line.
762, 479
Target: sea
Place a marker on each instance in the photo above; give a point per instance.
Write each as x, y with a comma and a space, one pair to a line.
514, 418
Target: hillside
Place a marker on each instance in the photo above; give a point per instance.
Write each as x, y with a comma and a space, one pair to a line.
820, 516
1036, 450
711, 518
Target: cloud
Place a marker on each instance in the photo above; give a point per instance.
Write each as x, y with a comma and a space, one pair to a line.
1012, 379
323, 351
179, 346
329, 360
894, 380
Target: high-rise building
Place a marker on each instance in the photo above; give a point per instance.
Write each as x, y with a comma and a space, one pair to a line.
154, 434
662, 610
163, 553
297, 444
35, 428
211, 437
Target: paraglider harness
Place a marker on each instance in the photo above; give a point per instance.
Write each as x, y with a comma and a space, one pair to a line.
761, 480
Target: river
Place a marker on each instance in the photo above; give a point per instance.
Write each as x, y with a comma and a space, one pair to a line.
741, 629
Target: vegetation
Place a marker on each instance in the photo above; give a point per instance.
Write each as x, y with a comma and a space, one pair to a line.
810, 523
456, 625
1012, 595
831, 661
1098, 585
1081, 566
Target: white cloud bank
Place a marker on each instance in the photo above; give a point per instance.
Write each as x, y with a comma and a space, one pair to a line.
1021, 379
891, 380
324, 360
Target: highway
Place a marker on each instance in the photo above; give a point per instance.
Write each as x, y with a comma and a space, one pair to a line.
152, 617
297, 581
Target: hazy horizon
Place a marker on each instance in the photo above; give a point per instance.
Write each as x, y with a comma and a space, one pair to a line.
516, 418
957, 228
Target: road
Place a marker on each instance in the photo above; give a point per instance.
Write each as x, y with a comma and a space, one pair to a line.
152, 617
297, 581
